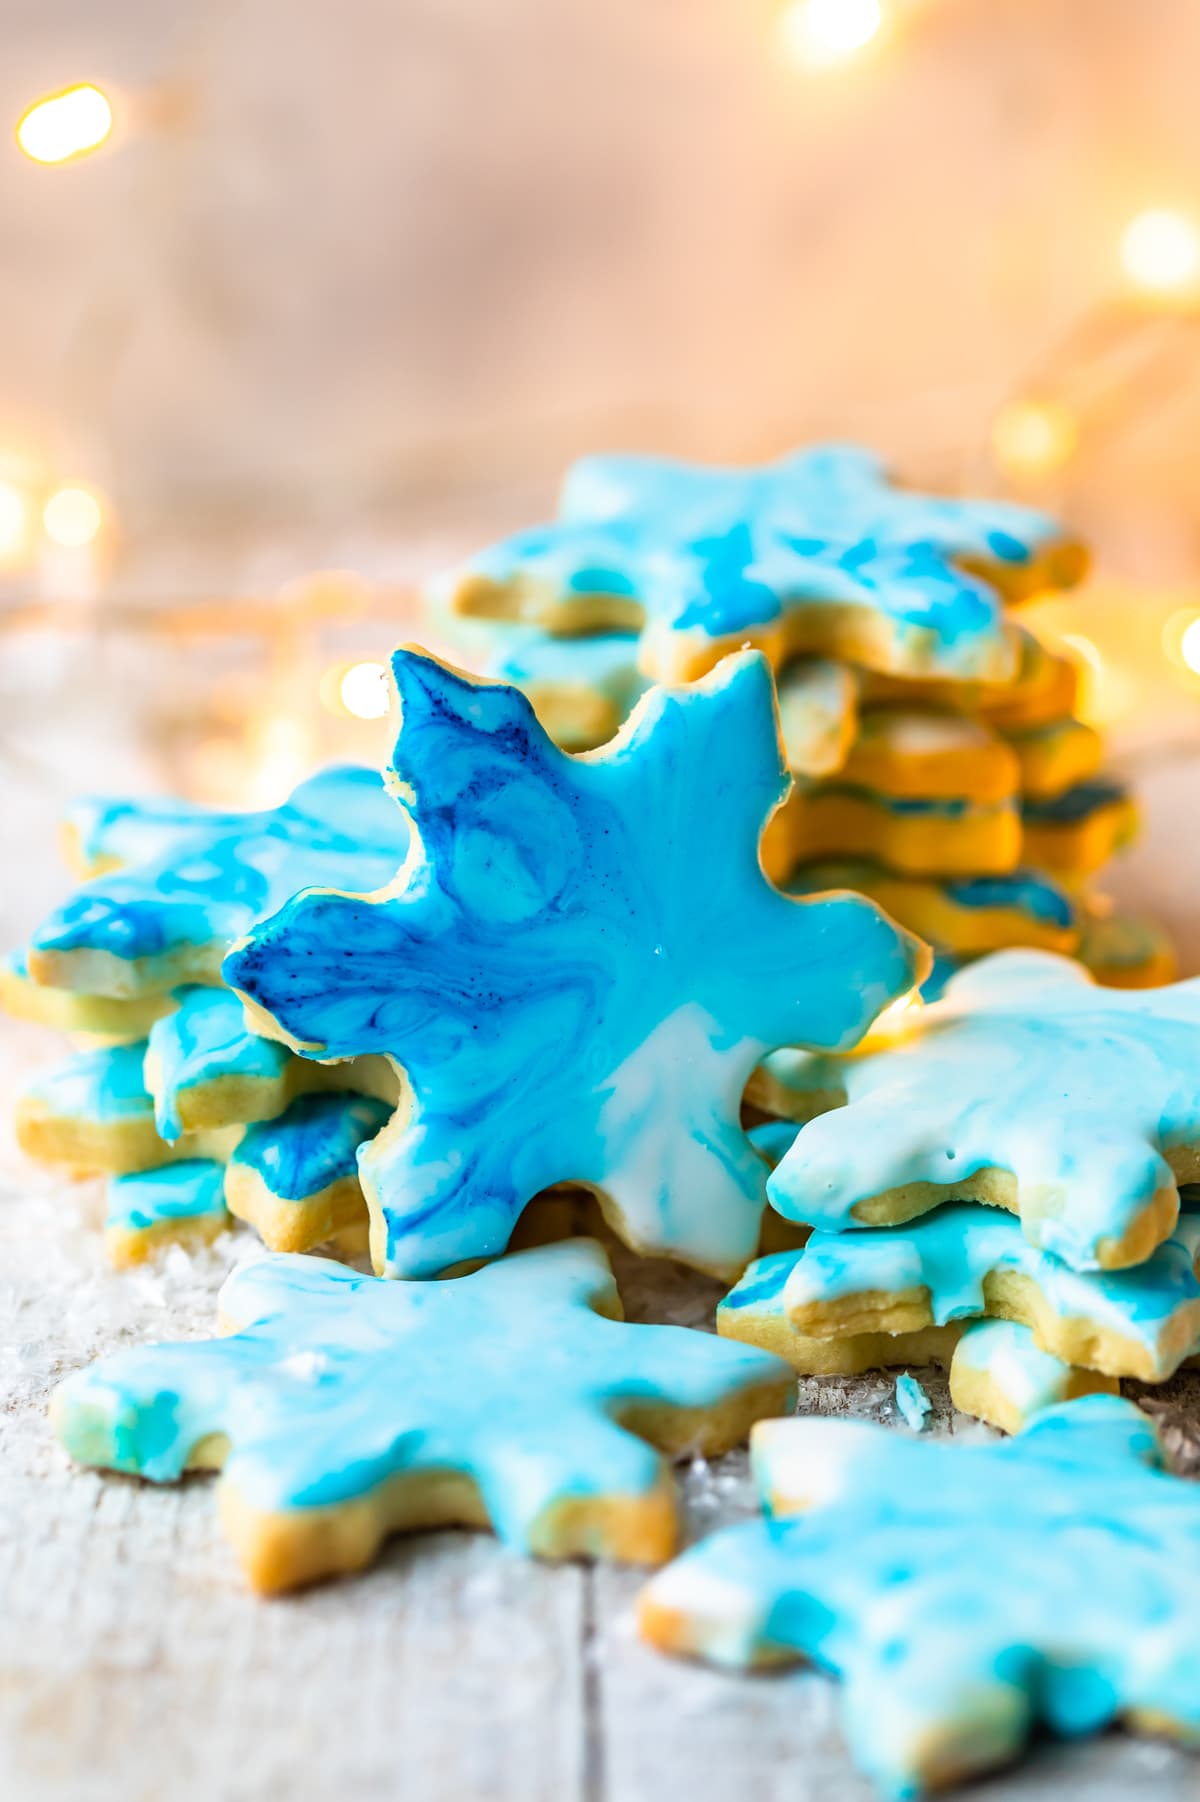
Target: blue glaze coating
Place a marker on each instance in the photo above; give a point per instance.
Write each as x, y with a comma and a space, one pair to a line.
1154, 1305
528, 657
840, 491
153, 1199
114, 830
312, 1144
945, 965
1076, 804
206, 1040
1024, 1065
962, 1593
912, 1403
102, 1086
1028, 894
210, 884
569, 1001
1027, 1378
334, 1382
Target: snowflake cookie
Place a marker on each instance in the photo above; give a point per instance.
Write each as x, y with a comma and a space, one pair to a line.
342, 1408
577, 969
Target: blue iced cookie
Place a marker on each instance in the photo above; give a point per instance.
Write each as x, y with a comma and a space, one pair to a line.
966, 916
343, 1409
205, 1068
568, 1000
178, 1204
815, 554
1075, 833
295, 1178
955, 1264
962, 1593
1026, 1086
93, 1112
104, 1016
1000, 1374
152, 925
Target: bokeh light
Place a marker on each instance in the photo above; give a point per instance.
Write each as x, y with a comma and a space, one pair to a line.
1033, 438
65, 125
820, 33
14, 522
363, 690
1160, 251
72, 517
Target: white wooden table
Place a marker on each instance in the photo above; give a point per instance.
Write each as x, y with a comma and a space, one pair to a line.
134, 1666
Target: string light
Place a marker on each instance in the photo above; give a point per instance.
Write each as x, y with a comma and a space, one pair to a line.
65, 125
1033, 438
363, 691
72, 517
14, 522
820, 33
1181, 638
1160, 251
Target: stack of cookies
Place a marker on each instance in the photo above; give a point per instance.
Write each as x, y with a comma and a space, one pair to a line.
938, 762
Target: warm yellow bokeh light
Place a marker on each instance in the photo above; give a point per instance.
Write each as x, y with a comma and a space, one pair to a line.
1189, 645
1032, 437
818, 33
72, 517
14, 522
363, 691
65, 125
1160, 251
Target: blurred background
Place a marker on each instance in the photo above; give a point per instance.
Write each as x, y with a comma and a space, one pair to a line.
293, 288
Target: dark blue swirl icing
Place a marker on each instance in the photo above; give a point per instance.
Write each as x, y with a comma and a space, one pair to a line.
312, 1144
578, 970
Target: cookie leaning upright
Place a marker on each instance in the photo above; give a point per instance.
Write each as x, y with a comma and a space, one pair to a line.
576, 968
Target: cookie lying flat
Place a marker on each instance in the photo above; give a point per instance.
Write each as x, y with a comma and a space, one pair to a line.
344, 1408
1076, 833
150, 927
582, 688
924, 754
295, 1178
1055, 757
960, 1262
1000, 1374
205, 1068
181, 1204
93, 1112
841, 489
934, 838
1124, 951
962, 1593
1026, 1086
965, 916
568, 1002
814, 554
101, 1015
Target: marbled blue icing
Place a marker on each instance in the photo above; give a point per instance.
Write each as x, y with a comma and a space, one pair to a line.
137, 830
334, 1382
719, 551
206, 1040
839, 491
176, 1194
912, 1403
102, 1086
961, 1592
529, 657
312, 1144
569, 999
1023, 1065
209, 885
1155, 1305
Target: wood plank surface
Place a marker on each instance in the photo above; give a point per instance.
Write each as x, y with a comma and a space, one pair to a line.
135, 1668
